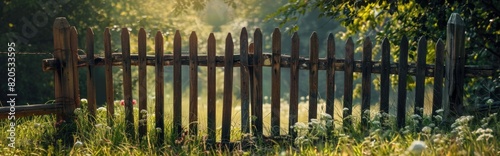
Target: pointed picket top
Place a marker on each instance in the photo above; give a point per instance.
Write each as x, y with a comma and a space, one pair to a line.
276, 43
456, 19
349, 44
244, 42
158, 41
60, 23
193, 37
367, 42
142, 42
211, 38
314, 35
229, 40
404, 41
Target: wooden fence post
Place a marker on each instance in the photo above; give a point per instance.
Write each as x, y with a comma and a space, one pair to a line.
65, 84
455, 62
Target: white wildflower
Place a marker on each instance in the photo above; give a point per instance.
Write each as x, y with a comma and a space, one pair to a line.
417, 147
98, 125
101, 109
158, 129
78, 111
37, 125
84, 101
78, 144
489, 102
427, 129
325, 116
346, 109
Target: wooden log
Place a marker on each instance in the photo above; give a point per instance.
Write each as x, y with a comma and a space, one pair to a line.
193, 84
294, 84
177, 84
91, 95
159, 89
366, 85
276, 83
244, 81
330, 75
348, 80
455, 62
143, 94
402, 70
211, 83
110, 95
228, 91
313, 76
420, 77
257, 79
437, 100
127, 85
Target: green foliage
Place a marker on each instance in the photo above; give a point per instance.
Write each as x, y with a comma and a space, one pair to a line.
394, 19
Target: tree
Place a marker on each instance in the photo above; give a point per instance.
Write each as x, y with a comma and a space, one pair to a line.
393, 19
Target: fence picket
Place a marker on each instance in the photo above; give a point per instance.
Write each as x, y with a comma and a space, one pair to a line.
276, 76
228, 91
177, 85
403, 73
110, 95
143, 105
437, 99
348, 80
384, 76
294, 84
257, 79
127, 84
420, 77
159, 88
366, 84
313, 76
211, 97
74, 89
193, 84
244, 81
330, 75
91, 96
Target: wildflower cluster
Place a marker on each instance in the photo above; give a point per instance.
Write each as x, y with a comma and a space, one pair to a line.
314, 131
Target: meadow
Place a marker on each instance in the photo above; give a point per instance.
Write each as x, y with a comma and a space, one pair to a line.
467, 135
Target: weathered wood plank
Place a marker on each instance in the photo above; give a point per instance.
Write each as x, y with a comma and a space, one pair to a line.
142, 84
366, 84
60, 31
384, 76
244, 81
211, 96
348, 80
31, 110
228, 91
330, 75
127, 84
313, 76
91, 96
193, 84
403, 71
276, 83
455, 61
420, 77
251, 71
159, 88
177, 84
437, 99
257, 79
73, 89
294, 84
110, 95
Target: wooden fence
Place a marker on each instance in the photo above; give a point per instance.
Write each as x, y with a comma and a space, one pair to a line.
250, 60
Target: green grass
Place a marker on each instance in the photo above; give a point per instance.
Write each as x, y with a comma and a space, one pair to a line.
467, 135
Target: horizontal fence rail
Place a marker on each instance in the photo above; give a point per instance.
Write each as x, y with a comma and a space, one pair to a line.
303, 64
